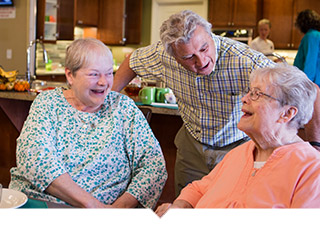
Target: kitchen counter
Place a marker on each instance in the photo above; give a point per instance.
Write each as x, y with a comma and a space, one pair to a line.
25, 96
289, 55
161, 110
30, 96
58, 71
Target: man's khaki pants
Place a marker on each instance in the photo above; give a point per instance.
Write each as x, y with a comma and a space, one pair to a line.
194, 159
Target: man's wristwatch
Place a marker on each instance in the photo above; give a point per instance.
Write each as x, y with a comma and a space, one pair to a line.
314, 143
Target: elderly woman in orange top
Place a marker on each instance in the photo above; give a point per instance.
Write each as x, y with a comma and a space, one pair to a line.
276, 169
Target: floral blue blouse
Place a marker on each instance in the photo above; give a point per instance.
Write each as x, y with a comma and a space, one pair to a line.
107, 153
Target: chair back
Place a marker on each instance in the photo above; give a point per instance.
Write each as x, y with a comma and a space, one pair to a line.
147, 112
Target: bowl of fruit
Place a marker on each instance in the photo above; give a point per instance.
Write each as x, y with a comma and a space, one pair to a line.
9, 82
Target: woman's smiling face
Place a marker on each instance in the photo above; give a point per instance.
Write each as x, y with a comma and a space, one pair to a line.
92, 82
260, 117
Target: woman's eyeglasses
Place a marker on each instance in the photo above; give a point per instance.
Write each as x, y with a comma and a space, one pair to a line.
255, 93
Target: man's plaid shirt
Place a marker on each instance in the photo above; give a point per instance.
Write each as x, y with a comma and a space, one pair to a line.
210, 105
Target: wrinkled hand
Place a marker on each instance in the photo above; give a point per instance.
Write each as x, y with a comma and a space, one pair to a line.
94, 203
163, 208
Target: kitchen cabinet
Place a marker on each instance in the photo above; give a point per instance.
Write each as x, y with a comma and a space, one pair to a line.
282, 15
120, 22
234, 13
87, 12
55, 20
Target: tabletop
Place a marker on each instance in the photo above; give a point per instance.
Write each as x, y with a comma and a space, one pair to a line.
36, 203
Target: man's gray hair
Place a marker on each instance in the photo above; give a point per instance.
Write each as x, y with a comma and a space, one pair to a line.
292, 87
179, 28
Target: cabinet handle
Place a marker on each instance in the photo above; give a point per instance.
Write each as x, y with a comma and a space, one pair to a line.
232, 24
288, 45
123, 41
80, 22
229, 23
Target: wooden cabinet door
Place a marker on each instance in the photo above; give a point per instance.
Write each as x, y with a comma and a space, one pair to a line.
41, 4
245, 13
63, 26
280, 15
220, 13
120, 22
111, 22
65, 20
87, 12
133, 21
233, 13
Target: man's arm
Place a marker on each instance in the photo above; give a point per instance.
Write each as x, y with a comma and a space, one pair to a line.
123, 76
312, 129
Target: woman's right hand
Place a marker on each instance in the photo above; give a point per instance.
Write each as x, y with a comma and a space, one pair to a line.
64, 188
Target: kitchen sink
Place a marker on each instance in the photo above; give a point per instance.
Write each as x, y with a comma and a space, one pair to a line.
38, 85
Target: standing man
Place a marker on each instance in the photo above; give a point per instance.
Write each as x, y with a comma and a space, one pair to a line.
207, 74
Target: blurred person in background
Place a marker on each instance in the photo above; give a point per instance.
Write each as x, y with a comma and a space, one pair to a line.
262, 43
308, 56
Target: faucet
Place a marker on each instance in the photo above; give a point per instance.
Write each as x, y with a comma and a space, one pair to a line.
279, 58
45, 58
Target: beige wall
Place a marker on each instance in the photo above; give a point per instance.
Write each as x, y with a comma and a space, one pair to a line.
14, 35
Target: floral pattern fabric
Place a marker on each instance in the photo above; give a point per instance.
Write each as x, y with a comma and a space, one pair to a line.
106, 153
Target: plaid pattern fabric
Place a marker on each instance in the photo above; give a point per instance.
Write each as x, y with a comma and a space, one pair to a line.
210, 105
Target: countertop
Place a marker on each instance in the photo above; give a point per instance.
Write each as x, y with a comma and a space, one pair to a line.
58, 71
30, 96
24, 96
289, 55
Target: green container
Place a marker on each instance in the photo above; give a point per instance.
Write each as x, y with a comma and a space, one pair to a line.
160, 92
147, 95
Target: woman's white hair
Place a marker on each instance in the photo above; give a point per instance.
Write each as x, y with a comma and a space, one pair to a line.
81, 52
179, 28
292, 87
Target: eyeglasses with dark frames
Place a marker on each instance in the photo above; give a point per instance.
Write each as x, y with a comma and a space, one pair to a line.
255, 93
